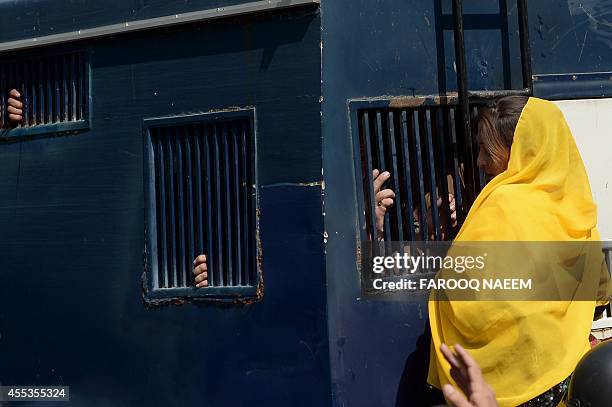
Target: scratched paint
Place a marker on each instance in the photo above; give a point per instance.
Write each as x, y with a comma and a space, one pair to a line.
571, 35
598, 22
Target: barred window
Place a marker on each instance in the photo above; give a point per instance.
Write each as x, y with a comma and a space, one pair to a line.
421, 144
201, 194
54, 92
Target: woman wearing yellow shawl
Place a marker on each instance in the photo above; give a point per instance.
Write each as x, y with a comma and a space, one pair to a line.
539, 191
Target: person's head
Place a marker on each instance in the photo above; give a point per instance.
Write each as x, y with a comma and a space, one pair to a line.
496, 123
590, 382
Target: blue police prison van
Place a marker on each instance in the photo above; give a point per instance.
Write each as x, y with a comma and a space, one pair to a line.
246, 130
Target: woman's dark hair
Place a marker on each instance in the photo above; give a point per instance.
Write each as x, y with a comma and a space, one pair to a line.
496, 124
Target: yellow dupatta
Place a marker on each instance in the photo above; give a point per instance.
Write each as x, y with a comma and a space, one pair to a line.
524, 347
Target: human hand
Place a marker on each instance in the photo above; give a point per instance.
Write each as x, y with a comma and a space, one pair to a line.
383, 199
453, 217
15, 107
452, 207
468, 376
200, 271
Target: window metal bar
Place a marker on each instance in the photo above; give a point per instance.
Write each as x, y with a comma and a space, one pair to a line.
65, 80
254, 243
369, 180
9, 87
41, 91
246, 190
525, 46
18, 82
452, 134
56, 82
407, 173
238, 213
24, 89
440, 141
382, 167
31, 87
161, 187
33, 91
433, 194
199, 177
229, 247
82, 75
189, 180
180, 207
3, 96
505, 46
49, 96
463, 96
216, 177
73, 87
172, 224
423, 207
212, 261
395, 176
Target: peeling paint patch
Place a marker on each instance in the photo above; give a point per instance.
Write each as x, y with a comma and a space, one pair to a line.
433, 100
294, 184
310, 184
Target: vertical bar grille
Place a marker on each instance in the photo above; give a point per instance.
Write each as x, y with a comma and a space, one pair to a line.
53, 89
420, 148
204, 195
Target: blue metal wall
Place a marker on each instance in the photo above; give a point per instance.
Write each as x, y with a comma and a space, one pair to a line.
374, 48
72, 234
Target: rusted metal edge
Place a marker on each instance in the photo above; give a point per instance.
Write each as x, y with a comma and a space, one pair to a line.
400, 102
151, 23
432, 100
450, 98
